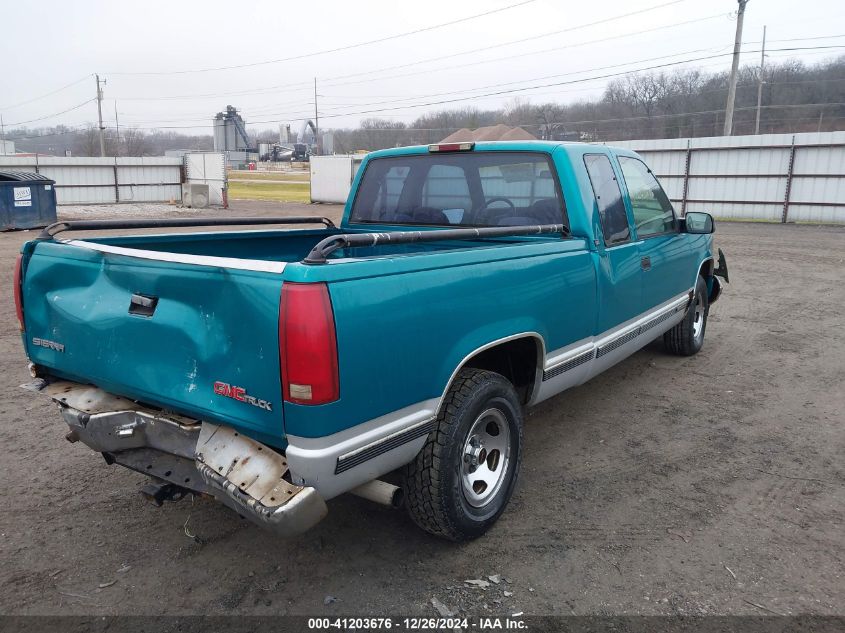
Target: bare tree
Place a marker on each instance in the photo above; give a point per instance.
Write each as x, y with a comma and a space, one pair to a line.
134, 142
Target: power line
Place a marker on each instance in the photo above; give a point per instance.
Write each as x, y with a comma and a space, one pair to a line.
566, 74
698, 92
50, 116
346, 47
800, 39
527, 39
682, 114
400, 97
204, 117
583, 121
327, 111
577, 72
451, 92
307, 85
304, 84
52, 92
548, 85
526, 88
585, 79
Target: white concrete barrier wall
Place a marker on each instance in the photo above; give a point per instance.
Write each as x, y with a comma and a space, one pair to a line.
106, 180
208, 168
776, 177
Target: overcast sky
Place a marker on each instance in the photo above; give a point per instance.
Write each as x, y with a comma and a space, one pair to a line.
150, 54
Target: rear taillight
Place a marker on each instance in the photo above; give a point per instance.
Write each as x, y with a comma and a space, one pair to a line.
307, 344
18, 290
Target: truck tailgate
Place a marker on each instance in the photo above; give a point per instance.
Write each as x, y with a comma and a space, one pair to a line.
201, 340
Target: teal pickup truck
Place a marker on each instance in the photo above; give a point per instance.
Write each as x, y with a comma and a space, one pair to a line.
392, 356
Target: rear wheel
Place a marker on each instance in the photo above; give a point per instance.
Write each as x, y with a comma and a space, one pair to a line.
687, 338
462, 480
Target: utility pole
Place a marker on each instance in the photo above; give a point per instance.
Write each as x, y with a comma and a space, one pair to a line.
316, 120
2, 135
760, 83
100, 114
116, 130
729, 109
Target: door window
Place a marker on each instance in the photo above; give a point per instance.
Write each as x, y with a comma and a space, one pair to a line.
614, 219
653, 213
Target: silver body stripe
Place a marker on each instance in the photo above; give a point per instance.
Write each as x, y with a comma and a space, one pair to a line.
182, 258
636, 325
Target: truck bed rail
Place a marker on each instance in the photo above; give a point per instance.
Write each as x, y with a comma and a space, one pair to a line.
52, 230
332, 243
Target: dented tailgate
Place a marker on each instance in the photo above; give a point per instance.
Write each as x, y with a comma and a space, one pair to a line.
201, 340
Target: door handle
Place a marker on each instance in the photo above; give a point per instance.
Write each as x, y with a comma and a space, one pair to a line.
645, 263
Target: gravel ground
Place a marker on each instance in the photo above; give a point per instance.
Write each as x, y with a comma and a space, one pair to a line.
111, 211
703, 485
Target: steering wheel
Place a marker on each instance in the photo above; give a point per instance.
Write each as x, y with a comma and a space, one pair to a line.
486, 206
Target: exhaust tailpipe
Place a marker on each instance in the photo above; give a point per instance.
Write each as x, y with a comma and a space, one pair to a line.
381, 492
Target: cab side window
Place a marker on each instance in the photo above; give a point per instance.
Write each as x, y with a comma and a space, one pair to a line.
653, 213
614, 220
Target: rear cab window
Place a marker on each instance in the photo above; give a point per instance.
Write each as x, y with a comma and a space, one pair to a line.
469, 189
614, 218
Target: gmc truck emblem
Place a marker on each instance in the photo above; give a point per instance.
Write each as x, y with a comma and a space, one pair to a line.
43, 342
239, 393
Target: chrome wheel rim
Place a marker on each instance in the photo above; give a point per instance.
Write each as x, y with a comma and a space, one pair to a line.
486, 455
698, 318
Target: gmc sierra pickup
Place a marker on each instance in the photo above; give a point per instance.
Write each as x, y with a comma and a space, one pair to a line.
277, 369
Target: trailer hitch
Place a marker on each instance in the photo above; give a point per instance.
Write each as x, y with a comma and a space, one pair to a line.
158, 492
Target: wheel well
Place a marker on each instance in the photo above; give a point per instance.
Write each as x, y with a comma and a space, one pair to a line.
516, 360
707, 267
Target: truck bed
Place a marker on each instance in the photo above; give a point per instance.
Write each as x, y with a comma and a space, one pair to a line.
89, 304
271, 246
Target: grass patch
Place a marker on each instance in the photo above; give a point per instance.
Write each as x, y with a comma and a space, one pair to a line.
277, 176
278, 191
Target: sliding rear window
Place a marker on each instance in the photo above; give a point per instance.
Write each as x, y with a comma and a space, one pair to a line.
460, 189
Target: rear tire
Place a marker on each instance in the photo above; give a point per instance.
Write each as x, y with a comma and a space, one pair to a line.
462, 479
687, 338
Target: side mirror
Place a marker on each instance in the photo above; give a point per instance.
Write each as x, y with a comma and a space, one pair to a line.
697, 222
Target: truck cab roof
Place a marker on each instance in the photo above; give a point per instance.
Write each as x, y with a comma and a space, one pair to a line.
575, 148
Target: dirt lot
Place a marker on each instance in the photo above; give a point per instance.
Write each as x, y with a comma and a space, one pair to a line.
707, 485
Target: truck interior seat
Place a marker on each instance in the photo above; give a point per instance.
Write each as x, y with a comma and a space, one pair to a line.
429, 215
544, 211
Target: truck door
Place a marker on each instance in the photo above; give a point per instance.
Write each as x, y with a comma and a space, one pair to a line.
664, 251
619, 278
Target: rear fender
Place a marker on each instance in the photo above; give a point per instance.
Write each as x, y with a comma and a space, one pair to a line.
467, 360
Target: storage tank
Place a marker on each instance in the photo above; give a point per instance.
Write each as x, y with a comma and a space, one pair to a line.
230, 131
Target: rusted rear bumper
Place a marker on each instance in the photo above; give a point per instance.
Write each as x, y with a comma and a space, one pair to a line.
206, 458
